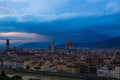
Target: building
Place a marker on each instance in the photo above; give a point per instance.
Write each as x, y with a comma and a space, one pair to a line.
93, 62
7, 44
73, 68
9, 64
13, 64
69, 45
61, 66
51, 48
117, 57
109, 71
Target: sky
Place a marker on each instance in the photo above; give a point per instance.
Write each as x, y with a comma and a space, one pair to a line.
24, 21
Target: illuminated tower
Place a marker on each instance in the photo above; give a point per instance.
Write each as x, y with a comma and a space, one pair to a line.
7, 44
69, 45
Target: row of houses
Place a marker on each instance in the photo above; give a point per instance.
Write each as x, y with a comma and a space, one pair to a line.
109, 71
40, 66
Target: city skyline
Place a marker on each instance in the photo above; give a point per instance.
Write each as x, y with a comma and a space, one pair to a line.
59, 20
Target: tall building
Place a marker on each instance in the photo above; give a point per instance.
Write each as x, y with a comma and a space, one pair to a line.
51, 48
7, 44
69, 45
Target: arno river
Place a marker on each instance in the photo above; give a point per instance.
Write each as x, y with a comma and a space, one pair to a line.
42, 77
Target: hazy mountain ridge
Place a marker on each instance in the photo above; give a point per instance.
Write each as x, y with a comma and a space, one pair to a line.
112, 42
35, 45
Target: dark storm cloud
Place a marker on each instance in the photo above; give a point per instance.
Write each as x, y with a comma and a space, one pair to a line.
78, 28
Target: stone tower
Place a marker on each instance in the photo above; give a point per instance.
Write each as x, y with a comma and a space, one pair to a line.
7, 44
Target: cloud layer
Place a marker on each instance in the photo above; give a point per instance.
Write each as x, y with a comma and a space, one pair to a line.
59, 20
22, 37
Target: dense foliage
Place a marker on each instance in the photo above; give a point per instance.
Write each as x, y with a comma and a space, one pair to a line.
3, 76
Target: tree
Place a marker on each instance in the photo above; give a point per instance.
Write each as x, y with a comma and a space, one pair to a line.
3, 76
17, 77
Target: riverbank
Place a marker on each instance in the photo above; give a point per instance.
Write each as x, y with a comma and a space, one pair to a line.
52, 74
63, 75
58, 75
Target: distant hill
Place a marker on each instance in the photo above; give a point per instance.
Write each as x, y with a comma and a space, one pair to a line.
35, 45
112, 42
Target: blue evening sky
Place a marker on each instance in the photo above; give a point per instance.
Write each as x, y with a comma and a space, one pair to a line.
45, 20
